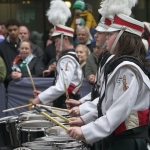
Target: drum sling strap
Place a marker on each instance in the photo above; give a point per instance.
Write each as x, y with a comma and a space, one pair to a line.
65, 53
110, 66
101, 61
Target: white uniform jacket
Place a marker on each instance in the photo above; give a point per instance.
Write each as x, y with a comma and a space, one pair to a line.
89, 105
68, 72
126, 101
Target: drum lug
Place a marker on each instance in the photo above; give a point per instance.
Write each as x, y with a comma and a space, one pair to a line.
18, 134
45, 132
7, 126
29, 135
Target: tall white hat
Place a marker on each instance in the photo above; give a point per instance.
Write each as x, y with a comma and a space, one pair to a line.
61, 29
126, 23
103, 25
58, 15
119, 11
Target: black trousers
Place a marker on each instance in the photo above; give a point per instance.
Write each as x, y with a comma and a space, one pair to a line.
133, 139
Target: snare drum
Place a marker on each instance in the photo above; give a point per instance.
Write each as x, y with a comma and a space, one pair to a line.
30, 130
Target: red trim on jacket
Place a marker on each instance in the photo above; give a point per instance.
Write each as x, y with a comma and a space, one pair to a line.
143, 119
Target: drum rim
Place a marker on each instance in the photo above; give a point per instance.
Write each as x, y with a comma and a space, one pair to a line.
43, 147
48, 123
5, 118
56, 138
68, 145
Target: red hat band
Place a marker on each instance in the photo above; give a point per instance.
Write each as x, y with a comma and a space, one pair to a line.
59, 29
107, 22
122, 22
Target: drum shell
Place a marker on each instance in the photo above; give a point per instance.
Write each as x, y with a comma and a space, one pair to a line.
5, 138
27, 135
28, 131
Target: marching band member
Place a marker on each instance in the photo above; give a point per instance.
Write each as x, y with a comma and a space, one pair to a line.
123, 108
69, 72
80, 107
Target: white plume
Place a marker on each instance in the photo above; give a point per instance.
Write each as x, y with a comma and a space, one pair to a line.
58, 12
111, 7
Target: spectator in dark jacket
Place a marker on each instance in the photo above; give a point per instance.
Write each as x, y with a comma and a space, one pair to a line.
49, 54
25, 58
9, 47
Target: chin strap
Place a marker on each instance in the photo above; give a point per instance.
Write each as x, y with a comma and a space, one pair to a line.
61, 41
116, 40
103, 46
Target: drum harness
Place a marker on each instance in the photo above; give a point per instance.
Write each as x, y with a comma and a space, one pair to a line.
111, 139
101, 61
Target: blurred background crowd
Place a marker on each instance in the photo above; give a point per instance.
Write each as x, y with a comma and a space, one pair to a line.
23, 24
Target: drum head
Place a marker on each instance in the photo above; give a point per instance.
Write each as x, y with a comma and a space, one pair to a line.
56, 138
57, 130
26, 117
35, 124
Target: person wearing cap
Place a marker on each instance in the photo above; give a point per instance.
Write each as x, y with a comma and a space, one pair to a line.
80, 12
89, 102
123, 109
79, 107
69, 73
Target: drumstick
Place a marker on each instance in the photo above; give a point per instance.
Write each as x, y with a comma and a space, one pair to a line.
67, 95
55, 121
54, 108
12, 109
30, 77
56, 114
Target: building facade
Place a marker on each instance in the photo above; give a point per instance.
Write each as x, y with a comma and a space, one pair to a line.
32, 14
